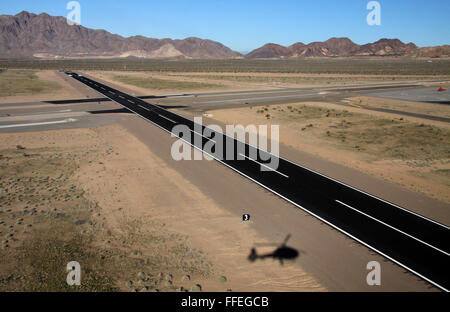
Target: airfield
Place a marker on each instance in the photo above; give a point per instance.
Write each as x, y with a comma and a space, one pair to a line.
131, 174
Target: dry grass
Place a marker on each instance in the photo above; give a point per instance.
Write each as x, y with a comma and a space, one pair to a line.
161, 84
351, 65
378, 138
310, 79
42, 213
20, 82
46, 222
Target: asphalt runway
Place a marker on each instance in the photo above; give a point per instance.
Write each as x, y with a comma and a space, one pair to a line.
420, 94
36, 117
414, 242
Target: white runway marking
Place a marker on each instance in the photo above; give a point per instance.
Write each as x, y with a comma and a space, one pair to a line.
202, 135
265, 166
43, 116
144, 107
39, 123
167, 118
390, 226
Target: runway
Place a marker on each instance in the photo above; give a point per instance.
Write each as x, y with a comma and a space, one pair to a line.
35, 117
418, 244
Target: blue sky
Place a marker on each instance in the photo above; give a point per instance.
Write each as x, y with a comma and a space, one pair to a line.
244, 25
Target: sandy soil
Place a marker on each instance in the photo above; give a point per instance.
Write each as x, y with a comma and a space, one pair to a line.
149, 189
67, 90
412, 174
358, 107
137, 197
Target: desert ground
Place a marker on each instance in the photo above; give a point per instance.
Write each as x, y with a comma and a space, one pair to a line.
109, 194
28, 85
101, 196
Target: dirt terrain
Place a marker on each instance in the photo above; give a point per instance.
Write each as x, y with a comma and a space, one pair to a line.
100, 197
36, 85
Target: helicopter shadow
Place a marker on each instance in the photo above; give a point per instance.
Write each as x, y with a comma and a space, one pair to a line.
282, 253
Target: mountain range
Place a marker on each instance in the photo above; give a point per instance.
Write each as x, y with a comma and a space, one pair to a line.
28, 35
345, 47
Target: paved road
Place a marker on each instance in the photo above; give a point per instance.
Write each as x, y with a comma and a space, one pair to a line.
414, 242
39, 118
420, 94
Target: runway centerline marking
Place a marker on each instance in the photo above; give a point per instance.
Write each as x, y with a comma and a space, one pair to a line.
202, 136
271, 169
144, 107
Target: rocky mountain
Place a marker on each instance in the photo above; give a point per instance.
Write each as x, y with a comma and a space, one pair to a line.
28, 35
45, 36
387, 47
440, 51
270, 50
346, 47
333, 46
